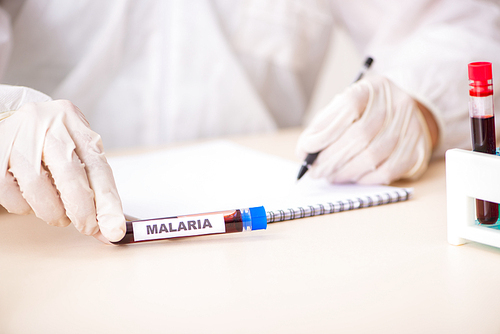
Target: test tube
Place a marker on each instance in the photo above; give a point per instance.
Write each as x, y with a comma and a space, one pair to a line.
482, 115
230, 221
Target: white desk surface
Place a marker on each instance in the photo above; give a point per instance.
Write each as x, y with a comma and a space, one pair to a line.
386, 269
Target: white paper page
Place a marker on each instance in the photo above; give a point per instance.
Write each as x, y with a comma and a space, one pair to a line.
219, 175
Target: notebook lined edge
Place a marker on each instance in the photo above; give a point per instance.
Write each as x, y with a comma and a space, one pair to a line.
398, 195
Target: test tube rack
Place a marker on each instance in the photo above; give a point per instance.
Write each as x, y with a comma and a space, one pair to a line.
471, 175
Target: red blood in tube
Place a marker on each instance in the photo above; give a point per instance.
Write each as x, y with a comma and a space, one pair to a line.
486, 212
483, 140
483, 134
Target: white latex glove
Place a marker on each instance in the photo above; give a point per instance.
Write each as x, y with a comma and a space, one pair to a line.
53, 164
372, 133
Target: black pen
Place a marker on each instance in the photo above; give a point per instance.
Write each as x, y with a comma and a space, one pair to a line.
311, 157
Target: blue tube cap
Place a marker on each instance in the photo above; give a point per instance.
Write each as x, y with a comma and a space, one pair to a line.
259, 218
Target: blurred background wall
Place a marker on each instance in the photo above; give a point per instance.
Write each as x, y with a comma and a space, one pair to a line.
340, 68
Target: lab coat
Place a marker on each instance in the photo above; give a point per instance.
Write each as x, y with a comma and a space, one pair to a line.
150, 72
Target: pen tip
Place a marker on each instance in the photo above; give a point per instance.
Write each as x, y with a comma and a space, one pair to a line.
302, 171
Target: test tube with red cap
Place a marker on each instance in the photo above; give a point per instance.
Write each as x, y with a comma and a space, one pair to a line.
481, 112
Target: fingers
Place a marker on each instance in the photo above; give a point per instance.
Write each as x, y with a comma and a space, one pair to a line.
356, 138
98, 206
38, 190
354, 141
375, 153
388, 142
331, 123
409, 159
365, 162
390, 170
88, 147
54, 164
25, 137
107, 201
101, 238
10, 195
70, 180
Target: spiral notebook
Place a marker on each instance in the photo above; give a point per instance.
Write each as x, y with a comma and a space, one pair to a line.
221, 175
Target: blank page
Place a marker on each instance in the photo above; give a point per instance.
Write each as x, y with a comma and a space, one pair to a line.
220, 175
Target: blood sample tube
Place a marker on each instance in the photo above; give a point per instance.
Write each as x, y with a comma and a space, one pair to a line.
230, 221
482, 117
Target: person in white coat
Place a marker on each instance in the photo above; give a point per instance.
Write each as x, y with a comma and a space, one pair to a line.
149, 72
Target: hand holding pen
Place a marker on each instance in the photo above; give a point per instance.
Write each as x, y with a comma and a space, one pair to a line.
372, 133
311, 157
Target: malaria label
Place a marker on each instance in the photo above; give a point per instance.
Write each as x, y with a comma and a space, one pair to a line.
185, 226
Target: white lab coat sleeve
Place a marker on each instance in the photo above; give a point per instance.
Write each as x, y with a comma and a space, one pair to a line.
424, 47
12, 97
5, 40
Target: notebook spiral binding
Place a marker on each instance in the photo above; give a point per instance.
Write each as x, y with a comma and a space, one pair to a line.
339, 206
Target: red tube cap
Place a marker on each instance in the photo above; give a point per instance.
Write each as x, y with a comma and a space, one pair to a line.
480, 79
480, 71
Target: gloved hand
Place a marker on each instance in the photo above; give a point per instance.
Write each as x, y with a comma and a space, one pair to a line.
53, 164
372, 133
